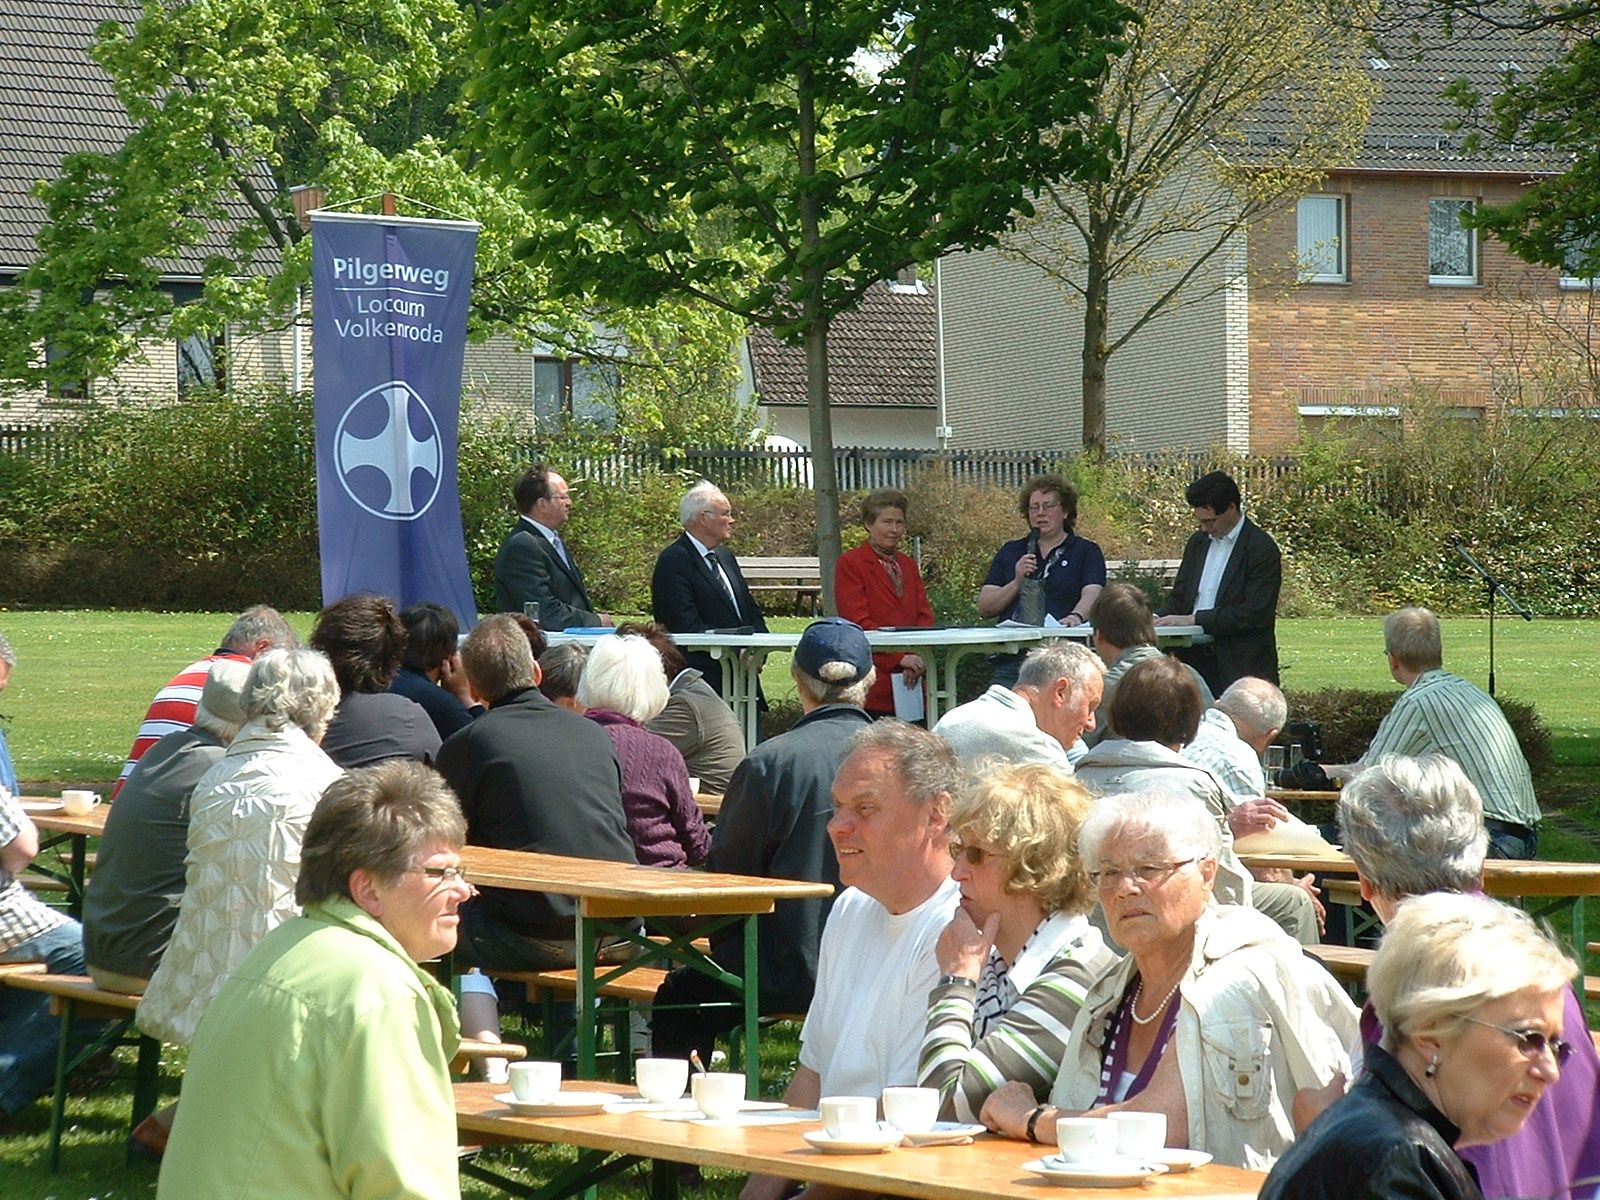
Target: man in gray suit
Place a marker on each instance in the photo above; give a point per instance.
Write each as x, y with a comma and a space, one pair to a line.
535, 564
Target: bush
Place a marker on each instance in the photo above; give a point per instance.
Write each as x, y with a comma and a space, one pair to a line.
1350, 717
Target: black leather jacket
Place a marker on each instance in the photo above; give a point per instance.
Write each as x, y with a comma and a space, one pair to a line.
1382, 1141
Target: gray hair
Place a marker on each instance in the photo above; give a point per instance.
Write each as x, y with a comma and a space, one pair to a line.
7, 654
376, 819
560, 669
255, 623
1256, 706
820, 691
1414, 825
697, 500
1412, 636
924, 762
497, 657
624, 674
1445, 955
1060, 660
295, 687
1183, 823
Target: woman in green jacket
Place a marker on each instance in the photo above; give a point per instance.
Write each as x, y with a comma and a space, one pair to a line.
322, 1067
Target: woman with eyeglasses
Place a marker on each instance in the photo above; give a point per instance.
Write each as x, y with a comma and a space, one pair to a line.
322, 1067
1019, 954
1470, 994
1214, 1018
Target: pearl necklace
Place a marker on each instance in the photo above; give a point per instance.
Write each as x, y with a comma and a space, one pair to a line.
1138, 990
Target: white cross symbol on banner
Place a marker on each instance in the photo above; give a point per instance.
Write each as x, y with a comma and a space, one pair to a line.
392, 450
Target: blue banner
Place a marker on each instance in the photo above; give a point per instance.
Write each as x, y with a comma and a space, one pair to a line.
389, 298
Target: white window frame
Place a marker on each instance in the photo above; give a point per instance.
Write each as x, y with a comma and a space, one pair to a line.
1474, 264
1309, 259
1569, 281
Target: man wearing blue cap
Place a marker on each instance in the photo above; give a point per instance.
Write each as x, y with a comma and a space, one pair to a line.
774, 823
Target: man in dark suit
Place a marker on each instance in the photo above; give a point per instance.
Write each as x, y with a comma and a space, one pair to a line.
534, 563
530, 776
697, 585
1228, 585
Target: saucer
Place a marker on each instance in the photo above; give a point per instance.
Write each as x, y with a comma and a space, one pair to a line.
562, 1104
858, 1143
1108, 1172
944, 1132
1176, 1159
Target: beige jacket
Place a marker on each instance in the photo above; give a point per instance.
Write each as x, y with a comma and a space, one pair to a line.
1259, 1020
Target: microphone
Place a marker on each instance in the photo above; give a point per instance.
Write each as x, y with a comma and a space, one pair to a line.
1455, 539
1033, 549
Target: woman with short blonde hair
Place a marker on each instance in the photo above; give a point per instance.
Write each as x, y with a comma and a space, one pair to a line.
1019, 953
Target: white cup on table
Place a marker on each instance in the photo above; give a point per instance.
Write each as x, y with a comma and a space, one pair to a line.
1139, 1134
849, 1116
911, 1109
535, 1082
76, 802
718, 1094
661, 1080
1085, 1139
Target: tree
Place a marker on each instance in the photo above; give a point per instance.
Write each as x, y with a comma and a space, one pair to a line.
1223, 112
231, 103
775, 158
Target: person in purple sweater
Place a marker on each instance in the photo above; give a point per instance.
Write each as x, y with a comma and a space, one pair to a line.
622, 687
1413, 826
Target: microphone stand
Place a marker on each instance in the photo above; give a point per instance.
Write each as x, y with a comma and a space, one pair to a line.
1492, 586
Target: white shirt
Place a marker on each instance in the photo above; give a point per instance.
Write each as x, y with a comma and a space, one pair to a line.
1218, 748
1000, 724
550, 536
1217, 555
863, 1032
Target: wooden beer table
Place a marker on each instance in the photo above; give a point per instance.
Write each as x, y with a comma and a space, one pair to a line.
612, 896
608, 1143
45, 813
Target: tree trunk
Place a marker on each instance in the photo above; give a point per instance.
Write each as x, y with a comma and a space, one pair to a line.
1096, 308
824, 476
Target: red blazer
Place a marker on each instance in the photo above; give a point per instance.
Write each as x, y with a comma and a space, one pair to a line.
863, 593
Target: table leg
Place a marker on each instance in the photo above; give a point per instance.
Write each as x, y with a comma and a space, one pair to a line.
80, 854
593, 1167
588, 952
752, 1013
664, 1179
750, 664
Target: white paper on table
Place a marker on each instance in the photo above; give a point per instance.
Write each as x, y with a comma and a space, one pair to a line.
1293, 836
908, 702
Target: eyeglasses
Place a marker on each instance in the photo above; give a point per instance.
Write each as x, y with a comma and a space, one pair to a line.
1144, 874
1531, 1042
1047, 506
440, 874
974, 855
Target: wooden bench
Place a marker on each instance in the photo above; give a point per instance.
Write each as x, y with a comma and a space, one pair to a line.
799, 575
74, 998
1161, 570
1349, 964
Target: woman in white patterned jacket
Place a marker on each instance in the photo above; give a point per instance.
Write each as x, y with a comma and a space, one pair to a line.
1019, 954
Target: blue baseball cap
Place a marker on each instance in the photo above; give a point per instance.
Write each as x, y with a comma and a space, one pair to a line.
834, 650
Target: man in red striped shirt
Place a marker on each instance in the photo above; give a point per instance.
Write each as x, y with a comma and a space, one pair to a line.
258, 628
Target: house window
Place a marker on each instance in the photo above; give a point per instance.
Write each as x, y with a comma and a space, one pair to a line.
1452, 247
63, 387
1319, 222
202, 363
575, 389
1574, 274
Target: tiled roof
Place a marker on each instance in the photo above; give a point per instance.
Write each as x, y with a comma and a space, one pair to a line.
55, 99
880, 355
1414, 127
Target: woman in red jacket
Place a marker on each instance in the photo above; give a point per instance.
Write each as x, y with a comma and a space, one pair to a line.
877, 587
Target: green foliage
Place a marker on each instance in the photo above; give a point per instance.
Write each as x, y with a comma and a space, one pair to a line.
1349, 718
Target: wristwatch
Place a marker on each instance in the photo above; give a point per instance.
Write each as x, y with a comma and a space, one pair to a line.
947, 979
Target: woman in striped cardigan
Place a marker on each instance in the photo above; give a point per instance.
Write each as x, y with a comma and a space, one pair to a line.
1019, 954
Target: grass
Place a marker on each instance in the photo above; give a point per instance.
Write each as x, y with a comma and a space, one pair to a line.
84, 678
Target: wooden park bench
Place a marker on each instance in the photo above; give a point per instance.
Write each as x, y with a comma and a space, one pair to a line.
1162, 570
799, 575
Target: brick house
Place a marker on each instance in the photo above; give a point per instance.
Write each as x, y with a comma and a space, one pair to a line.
1347, 300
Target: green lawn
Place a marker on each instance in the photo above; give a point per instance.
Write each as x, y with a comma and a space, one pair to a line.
84, 678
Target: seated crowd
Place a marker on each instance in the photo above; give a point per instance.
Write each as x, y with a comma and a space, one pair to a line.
1038, 911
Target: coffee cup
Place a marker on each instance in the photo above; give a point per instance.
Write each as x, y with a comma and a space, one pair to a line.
694, 784
1139, 1134
535, 1082
911, 1109
1085, 1139
849, 1116
661, 1080
718, 1094
78, 803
